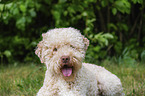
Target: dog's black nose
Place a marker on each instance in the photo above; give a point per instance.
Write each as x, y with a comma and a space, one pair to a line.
65, 59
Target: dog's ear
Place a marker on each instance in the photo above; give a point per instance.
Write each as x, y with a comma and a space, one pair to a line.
38, 51
86, 42
40, 48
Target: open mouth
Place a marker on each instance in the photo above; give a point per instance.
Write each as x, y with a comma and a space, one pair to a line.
67, 70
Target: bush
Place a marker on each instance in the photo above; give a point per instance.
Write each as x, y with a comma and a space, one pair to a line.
119, 22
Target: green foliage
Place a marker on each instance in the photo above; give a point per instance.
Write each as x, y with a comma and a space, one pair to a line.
6, 53
128, 57
123, 6
110, 25
102, 41
143, 56
22, 12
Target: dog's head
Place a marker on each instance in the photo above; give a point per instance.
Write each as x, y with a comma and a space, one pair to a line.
62, 50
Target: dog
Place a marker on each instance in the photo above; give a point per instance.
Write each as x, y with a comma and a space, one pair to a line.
63, 50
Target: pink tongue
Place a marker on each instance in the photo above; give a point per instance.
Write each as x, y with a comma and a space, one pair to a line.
67, 71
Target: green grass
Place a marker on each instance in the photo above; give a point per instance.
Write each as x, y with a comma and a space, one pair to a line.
132, 77
21, 80
27, 79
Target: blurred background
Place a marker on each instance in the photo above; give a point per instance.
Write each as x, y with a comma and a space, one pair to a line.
115, 28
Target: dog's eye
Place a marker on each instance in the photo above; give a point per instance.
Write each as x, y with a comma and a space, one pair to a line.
55, 49
72, 46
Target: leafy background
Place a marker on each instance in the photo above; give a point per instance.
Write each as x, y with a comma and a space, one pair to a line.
115, 28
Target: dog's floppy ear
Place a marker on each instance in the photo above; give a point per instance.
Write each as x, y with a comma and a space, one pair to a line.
39, 49
86, 42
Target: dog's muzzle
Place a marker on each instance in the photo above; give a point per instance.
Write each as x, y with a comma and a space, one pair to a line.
67, 67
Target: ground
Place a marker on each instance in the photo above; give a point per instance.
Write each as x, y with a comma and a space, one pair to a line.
26, 79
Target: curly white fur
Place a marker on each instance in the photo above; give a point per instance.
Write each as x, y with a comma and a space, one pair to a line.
85, 79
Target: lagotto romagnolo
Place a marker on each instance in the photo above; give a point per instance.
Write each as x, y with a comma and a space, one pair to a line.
62, 50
